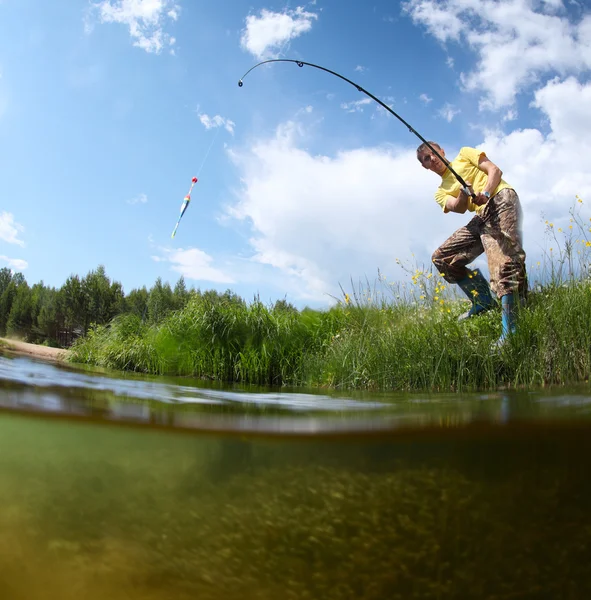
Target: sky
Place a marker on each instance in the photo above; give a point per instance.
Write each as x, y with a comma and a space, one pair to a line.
109, 108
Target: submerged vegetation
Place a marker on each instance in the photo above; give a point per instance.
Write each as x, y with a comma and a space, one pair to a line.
95, 512
385, 336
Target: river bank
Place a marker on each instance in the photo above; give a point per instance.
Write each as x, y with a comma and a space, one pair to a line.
364, 343
35, 350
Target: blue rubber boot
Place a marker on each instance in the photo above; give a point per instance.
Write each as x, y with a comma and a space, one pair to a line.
508, 319
476, 287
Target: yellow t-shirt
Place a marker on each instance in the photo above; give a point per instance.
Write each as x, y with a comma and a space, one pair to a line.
465, 164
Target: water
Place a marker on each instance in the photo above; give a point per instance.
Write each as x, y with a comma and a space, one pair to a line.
157, 489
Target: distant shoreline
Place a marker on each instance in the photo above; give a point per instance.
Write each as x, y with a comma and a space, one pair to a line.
36, 350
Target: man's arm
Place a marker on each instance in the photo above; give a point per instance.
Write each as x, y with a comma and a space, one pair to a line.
493, 172
459, 204
494, 176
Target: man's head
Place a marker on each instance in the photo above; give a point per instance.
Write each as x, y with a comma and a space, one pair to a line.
429, 159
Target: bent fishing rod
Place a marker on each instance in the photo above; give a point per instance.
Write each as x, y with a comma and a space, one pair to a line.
301, 63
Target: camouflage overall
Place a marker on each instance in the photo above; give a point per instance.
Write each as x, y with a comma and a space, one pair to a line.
495, 231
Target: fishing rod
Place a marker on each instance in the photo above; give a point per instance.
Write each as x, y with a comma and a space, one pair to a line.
301, 63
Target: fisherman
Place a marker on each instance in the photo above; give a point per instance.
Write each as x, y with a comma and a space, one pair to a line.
495, 229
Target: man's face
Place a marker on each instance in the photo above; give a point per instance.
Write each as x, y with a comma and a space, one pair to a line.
431, 162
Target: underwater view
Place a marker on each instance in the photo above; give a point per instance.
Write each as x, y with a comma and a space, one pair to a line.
152, 488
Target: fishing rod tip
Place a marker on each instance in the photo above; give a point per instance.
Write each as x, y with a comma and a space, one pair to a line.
240, 83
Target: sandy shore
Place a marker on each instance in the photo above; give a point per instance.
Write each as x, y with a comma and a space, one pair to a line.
35, 350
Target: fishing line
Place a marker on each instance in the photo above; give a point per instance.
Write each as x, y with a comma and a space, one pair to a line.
301, 63
208, 150
187, 198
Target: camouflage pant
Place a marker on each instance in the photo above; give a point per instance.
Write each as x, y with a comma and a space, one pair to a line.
495, 231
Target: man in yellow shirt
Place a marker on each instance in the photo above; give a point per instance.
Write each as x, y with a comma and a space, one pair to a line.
495, 229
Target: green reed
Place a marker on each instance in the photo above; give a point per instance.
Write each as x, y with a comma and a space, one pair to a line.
396, 336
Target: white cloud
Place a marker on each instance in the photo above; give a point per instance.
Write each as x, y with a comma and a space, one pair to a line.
139, 199
194, 264
266, 35
448, 112
9, 229
516, 41
16, 264
389, 102
338, 216
510, 115
425, 98
347, 215
145, 19
360, 68
216, 121
356, 105
567, 105
441, 22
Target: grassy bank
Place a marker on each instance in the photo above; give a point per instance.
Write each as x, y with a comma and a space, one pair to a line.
382, 337
389, 346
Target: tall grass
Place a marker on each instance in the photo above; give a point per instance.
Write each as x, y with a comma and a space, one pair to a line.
396, 336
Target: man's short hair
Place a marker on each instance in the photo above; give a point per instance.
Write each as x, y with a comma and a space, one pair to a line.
425, 146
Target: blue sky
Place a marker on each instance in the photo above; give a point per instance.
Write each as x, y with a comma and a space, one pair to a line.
108, 108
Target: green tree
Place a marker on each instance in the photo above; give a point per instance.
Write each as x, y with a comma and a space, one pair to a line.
49, 318
283, 306
20, 318
228, 298
6, 301
180, 294
72, 306
160, 301
103, 299
5, 279
136, 302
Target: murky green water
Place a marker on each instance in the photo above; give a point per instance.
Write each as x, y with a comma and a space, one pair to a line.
130, 488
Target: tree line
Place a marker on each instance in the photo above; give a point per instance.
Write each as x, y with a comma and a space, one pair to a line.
56, 317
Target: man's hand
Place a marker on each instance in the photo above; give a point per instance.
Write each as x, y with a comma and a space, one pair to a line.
463, 196
480, 200
459, 204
